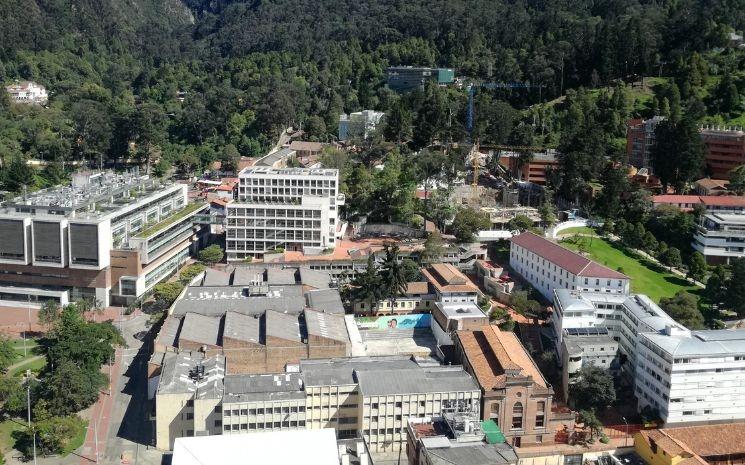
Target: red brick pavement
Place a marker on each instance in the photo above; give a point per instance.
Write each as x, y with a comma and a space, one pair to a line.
16, 320
100, 415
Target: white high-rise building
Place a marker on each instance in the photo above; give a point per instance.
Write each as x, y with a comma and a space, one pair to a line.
692, 376
294, 209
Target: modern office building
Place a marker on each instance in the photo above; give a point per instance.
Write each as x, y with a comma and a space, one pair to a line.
293, 209
359, 125
408, 78
456, 438
372, 397
720, 237
640, 139
27, 92
548, 266
515, 395
623, 316
692, 376
685, 376
106, 236
725, 150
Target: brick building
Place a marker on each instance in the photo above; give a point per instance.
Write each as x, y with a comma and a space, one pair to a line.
514, 393
725, 150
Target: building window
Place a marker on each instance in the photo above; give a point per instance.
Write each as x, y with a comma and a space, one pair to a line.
190, 403
540, 414
517, 416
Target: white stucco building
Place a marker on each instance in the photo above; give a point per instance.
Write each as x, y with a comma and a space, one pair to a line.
548, 266
720, 237
692, 376
27, 92
295, 209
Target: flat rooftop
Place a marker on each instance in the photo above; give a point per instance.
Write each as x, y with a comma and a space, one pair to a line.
260, 387
187, 373
707, 343
268, 171
422, 380
303, 446
91, 195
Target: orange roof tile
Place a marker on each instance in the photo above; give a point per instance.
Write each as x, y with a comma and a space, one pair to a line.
447, 278
711, 440
496, 356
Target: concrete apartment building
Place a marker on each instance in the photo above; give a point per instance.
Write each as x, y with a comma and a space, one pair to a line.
294, 209
456, 437
359, 125
581, 347
623, 316
640, 139
409, 78
514, 393
368, 396
688, 377
110, 237
692, 377
547, 266
259, 321
725, 150
720, 237
27, 92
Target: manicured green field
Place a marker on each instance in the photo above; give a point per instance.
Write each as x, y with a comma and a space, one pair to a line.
646, 277
35, 365
578, 230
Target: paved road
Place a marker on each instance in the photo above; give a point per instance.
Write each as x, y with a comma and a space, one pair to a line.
129, 432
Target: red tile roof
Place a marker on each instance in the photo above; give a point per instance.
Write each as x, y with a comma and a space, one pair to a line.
722, 201
676, 199
707, 200
564, 258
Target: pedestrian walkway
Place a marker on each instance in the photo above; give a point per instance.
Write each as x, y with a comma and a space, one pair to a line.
100, 418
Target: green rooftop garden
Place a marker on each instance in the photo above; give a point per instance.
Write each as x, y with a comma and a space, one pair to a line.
173, 218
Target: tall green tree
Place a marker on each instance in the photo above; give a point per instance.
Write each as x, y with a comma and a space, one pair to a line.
367, 286
678, 153
467, 223
735, 293
593, 389
683, 308
393, 274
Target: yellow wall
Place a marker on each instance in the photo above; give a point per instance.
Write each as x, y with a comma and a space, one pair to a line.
644, 451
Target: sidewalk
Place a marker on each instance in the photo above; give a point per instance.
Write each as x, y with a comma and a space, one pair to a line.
100, 418
16, 320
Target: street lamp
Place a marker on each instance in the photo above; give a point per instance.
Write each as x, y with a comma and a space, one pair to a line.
627, 430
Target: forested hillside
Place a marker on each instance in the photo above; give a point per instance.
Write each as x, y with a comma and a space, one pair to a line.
250, 68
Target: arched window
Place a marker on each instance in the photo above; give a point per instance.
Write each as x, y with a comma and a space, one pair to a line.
517, 415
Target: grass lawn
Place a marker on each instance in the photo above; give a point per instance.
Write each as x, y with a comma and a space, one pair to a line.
77, 441
7, 428
646, 277
578, 230
35, 365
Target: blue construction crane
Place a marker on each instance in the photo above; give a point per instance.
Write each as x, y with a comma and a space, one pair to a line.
491, 85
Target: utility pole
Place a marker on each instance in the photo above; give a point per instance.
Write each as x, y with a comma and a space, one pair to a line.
28, 395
